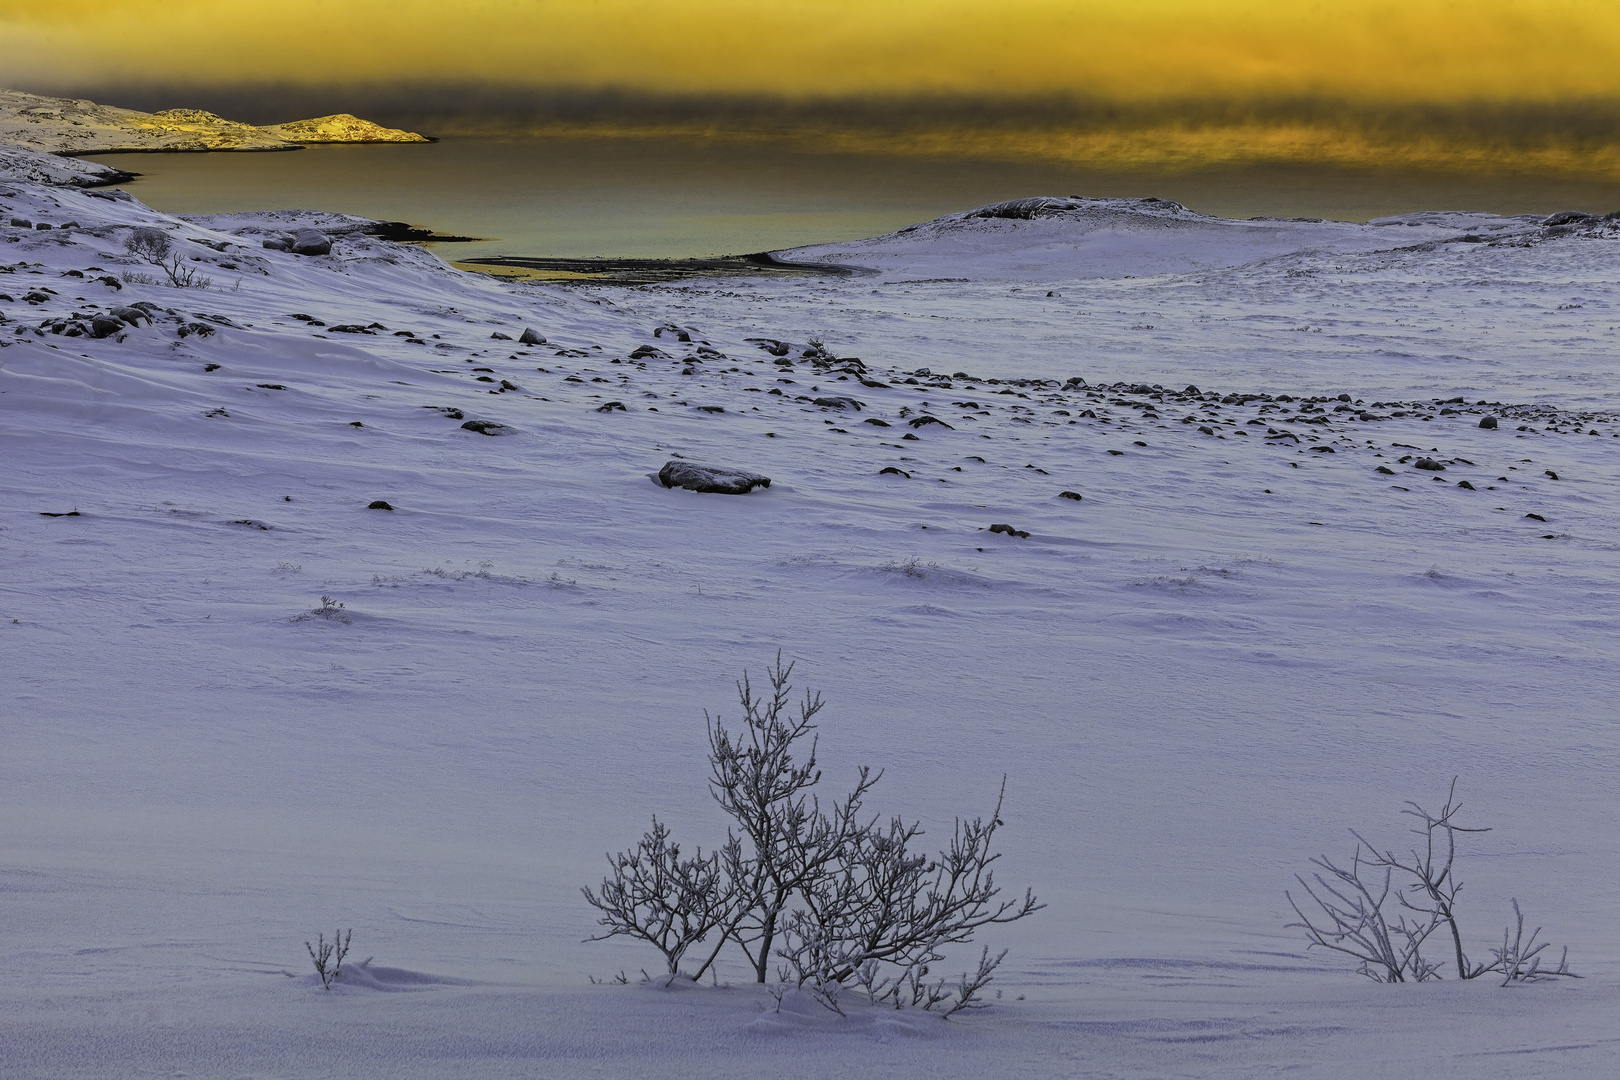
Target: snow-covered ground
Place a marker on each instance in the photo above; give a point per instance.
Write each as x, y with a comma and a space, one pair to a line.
1241, 641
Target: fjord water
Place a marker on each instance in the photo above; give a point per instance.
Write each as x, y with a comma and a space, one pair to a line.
666, 198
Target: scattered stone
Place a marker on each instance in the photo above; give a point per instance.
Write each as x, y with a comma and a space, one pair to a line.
210, 367
1551, 475
838, 403
379, 505
1323, 450
105, 326
610, 406
531, 337
710, 480
1386, 470
310, 242
498, 336
1138, 443
1075, 495
1008, 530
201, 329
908, 436
1536, 517
356, 423
271, 386
1116, 453
250, 523
1488, 423
486, 427
890, 470
130, 314
1205, 430
875, 422
69, 513
1466, 484
1428, 465
710, 408
925, 420
648, 352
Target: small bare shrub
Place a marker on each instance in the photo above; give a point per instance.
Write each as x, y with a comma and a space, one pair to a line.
146, 242
1354, 912
329, 609
846, 903
327, 956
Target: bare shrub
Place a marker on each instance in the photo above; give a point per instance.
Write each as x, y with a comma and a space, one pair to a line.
1354, 914
154, 246
846, 903
657, 896
327, 956
331, 610
146, 242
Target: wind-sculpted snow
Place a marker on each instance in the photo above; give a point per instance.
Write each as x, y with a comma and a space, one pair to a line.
243, 707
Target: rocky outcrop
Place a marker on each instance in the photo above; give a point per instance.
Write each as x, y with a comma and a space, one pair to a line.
75, 126
342, 128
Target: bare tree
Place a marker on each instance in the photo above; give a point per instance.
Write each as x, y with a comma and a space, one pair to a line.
1351, 919
1432, 873
790, 840
657, 896
845, 902
323, 953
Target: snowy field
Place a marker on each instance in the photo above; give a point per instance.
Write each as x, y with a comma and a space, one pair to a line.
1241, 641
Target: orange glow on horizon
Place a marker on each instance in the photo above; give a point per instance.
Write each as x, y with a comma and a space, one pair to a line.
1366, 50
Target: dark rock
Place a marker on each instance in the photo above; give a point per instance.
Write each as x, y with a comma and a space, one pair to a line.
925, 420
1568, 217
1488, 423
1551, 475
1116, 453
498, 336
67, 513
1428, 465
271, 386
647, 351
1536, 517
1075, 495
908, 436
131, 314
310, 242
505, 385
1323, 450
1008, 530
36, 297
531, 337
1465, 484
890, 470
875, 422
279, 243
838, 403
451, 412
711, 408
486, 427
610, 406
379, 505
105, 326
709, 479
1386, 470
201, 329
349, 328
1205, 430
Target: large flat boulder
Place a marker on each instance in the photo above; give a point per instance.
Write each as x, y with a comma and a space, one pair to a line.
710, 479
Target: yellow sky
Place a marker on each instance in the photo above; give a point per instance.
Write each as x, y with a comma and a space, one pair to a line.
1377, 50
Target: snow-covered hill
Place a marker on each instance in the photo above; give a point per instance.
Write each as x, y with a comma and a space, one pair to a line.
1263, 622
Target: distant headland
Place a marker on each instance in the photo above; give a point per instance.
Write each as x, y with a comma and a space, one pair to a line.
71, 126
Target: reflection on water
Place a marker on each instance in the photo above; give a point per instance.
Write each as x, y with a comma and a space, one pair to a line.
652, 198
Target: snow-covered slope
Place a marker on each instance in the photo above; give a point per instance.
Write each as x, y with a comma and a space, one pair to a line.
1261, 624
74, 126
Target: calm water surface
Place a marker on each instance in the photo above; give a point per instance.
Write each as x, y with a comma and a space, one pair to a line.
670, 199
